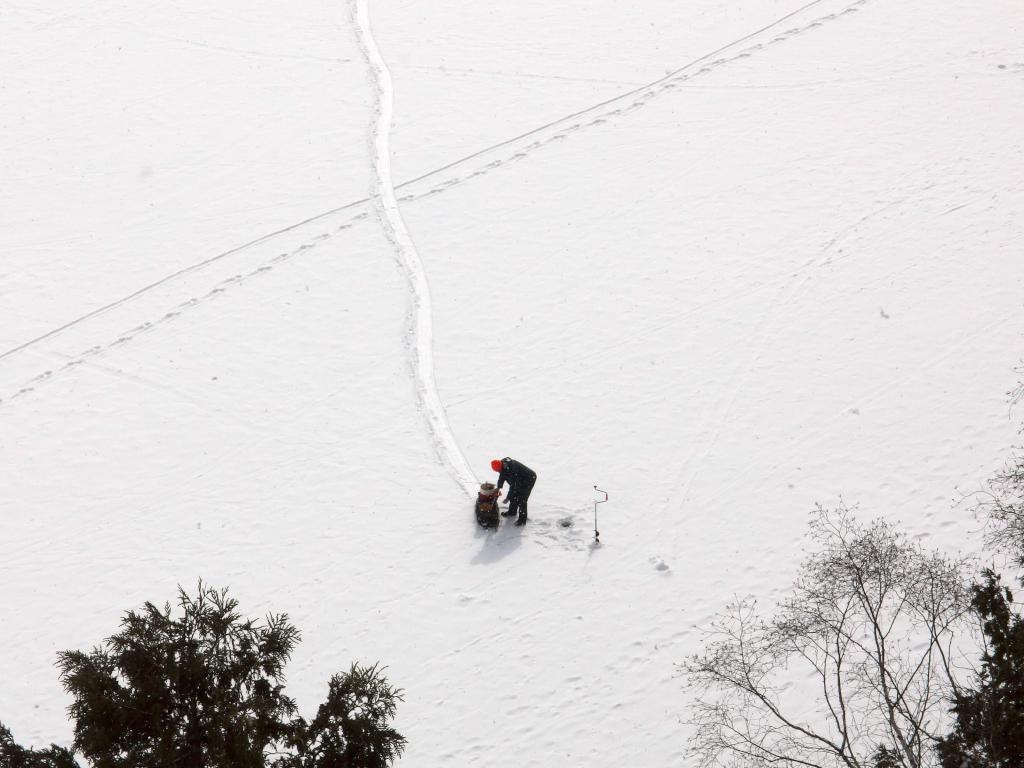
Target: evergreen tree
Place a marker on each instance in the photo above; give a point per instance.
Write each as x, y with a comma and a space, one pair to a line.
206, 690
989, 730
886, 758
351, 729
14, 756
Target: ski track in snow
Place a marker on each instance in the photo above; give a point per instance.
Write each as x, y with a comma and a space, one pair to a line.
390, 217
559, 130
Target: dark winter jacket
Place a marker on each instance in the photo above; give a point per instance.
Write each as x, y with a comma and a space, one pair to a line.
519, 476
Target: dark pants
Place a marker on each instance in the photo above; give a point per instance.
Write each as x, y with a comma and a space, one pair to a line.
518, 496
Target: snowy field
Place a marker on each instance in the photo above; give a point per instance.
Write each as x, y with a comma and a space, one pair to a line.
278, 280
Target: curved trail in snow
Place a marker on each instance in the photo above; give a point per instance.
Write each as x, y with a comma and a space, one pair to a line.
754, 42
641, 95
390, 216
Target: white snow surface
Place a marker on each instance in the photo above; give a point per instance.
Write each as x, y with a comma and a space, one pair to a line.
278, 280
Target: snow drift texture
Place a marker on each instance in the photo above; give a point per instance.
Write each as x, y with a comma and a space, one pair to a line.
279, 280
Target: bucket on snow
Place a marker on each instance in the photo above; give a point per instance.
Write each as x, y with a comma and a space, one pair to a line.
487, 505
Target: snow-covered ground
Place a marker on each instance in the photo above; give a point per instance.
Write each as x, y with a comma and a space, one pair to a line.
723, 261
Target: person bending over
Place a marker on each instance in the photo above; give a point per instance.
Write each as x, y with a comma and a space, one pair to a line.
520, 480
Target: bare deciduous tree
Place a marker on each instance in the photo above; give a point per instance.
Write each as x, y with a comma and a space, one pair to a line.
1002, 501
1002, 508
869, 629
